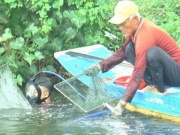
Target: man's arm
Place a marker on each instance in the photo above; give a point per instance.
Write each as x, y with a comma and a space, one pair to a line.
116, 58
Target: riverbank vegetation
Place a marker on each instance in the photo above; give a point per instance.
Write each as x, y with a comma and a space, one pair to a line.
32, 30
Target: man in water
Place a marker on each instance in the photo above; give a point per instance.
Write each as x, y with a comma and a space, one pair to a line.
38, 90
153, 52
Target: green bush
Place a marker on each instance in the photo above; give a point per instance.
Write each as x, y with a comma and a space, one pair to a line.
164, 13
32, 30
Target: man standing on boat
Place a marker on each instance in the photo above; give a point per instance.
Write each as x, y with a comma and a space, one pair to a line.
153, 52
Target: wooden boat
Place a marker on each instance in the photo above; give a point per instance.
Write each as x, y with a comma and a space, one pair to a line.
147, 103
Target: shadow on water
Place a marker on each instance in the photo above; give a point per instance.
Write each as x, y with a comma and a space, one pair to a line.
61, 119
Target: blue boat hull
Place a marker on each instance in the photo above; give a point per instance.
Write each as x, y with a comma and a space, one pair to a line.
168, 104
164, 106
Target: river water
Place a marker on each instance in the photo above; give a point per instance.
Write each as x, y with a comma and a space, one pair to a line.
64, 119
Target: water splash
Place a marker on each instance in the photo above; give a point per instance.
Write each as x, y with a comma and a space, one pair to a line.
10, 94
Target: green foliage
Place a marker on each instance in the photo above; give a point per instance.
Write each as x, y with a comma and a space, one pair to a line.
164, 13
32, 30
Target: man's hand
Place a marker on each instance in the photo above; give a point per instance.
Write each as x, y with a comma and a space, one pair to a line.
118, 110
93, 70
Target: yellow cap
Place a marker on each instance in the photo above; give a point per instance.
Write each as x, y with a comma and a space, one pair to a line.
122, 11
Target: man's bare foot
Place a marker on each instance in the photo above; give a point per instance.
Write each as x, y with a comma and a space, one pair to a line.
148, 88
153, 89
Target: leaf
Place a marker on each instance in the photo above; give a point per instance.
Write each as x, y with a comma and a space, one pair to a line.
17, 44
48, 24
3, 18
57, 4
52, 22
19, 79
47, 7
46, 28
45, 0
7, 34
55, 45
1, 50
32, 28
36, 5
42, 13
13, 5
49, 68
70, 33
41, 42
9, 1
77, 18
58, 16
32, 69
66, 14
1, 39
38, 55
29, 58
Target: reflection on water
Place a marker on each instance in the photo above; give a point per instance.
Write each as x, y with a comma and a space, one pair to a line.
62, 120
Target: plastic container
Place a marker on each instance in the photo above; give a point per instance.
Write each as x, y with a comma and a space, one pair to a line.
124, 80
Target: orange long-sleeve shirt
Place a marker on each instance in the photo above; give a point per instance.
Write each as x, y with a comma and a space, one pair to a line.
146, 36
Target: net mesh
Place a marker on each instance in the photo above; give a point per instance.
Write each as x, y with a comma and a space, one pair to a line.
87, 92
10, 94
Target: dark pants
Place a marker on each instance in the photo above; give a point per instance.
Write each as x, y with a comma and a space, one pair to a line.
161, 69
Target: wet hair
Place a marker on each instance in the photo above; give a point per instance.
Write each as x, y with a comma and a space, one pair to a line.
45, 82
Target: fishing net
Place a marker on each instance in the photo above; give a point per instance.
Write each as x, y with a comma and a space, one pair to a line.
10, 94
87, 92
